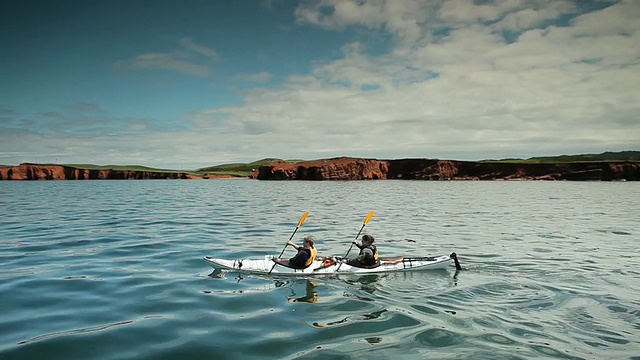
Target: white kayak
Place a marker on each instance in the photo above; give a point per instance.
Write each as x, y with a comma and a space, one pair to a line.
329, 266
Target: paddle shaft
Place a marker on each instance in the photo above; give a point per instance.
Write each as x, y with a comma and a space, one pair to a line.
304, 216
285, 247
364, 223
350, 247
345, 255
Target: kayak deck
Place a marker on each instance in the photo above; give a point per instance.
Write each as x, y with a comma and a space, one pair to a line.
322, 267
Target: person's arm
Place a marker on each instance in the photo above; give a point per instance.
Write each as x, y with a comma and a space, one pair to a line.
357, 243
294, 246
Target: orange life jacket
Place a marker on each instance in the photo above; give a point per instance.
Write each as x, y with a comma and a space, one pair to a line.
312, 257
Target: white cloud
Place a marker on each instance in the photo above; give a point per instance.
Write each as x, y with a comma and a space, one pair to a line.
199, 49
194, 60
470, 91
619, 19
469, 11
535, 15
401, 18
451, 86
166, 62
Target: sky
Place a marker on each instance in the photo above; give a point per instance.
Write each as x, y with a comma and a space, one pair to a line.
194, 83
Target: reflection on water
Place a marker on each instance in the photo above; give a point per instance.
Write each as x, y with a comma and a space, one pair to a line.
366, 316
367, 283
310, 296
221, 274
358, 287
310, 293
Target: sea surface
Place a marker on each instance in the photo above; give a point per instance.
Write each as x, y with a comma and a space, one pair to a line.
113, 269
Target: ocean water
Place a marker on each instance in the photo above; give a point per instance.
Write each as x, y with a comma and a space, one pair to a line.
114, 270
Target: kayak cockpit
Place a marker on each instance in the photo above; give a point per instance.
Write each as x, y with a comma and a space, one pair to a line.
287, 265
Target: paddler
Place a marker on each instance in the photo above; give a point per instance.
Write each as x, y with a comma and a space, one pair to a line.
305, 256
368, 256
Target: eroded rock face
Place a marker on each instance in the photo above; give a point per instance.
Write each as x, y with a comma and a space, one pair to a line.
345, 168
60, 172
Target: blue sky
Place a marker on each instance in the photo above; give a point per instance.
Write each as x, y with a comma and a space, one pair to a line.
188, 84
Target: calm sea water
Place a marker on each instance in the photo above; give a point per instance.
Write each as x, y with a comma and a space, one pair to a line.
114, 270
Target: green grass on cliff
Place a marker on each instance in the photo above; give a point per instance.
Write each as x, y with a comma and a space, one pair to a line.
248, 167
605, 156
122, 167
244, 169
150, 169
241, 168
236, 169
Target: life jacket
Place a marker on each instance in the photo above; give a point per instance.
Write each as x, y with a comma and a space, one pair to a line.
312, 257
374, 250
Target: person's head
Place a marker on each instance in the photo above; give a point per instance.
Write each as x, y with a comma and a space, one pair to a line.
367, 239
308, 242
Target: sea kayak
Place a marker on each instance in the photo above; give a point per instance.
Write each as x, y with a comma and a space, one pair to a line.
330, 266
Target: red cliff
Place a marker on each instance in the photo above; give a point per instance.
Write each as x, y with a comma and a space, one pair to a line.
345, 168
328, 169
28, 171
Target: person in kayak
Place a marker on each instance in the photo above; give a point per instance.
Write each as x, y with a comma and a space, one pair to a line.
368, 256
305, 256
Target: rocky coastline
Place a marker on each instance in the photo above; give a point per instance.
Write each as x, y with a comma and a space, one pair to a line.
348, 168
28, 171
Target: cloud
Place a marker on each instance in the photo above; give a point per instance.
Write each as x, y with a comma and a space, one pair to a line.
537, 14
601, 23
463, 79
470, 90
166, 62
188, 44
86, 133
402, 19
194, 59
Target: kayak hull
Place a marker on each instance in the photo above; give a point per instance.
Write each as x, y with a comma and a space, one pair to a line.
264, 266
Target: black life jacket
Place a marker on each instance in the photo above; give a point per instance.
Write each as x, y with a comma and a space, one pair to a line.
370, 261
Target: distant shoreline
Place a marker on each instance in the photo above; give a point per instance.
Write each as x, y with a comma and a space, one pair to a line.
435, 169
30, 171
621, 166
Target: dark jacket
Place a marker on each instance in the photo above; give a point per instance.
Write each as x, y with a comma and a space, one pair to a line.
368, 256
299, 260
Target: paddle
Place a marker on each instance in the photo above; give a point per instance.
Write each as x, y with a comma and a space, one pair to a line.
304, 216
366, 220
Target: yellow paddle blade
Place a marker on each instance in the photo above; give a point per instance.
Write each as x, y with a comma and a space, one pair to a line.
369, 215
304, 216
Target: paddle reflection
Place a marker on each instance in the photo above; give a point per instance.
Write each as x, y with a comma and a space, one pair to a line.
369, 316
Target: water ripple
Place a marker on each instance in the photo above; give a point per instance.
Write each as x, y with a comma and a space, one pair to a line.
549, 270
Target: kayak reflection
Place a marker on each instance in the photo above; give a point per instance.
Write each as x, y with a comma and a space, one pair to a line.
368, 283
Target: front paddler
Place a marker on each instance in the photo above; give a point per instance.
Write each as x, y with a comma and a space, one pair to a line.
305, 256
